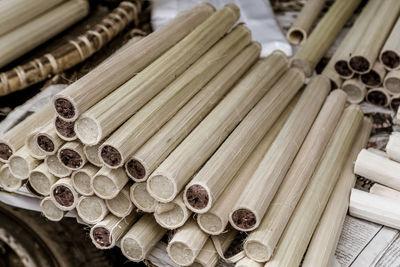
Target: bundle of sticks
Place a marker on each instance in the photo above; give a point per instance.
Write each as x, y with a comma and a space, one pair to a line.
189, 120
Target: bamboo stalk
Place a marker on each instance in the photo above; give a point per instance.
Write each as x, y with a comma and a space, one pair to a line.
355, 89
101, 120
367, 50
145, 160
55, 167
392, 82
246, 262
48, 140
390, 54
107, 183
31, 144
91, 209
375, 76
41, 179
175, 171
172, 215
65, 129
326, 236
81, 179
121, 205
74, 101
323, 35
378, 96
141, 198
186, 244
208, 184
303, 221
384, 191
8, 181
253, 202
300, 29
378, 151
393, 146
92, 155
63, 194
329, 71
72, 156
21, 163
40, 29
50, 210
141, 238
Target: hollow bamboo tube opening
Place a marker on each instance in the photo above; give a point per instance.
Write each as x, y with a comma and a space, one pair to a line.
50, 210
392, 82
81, 179
47, 139
71, 155
343, 69
395, 103
378, 96
390, 59
120, 205
41, 179
141, 198
65, 129
375, 76
31, 144
296, 36
55, 167
390, 54
355, 89
5, 152
8, 181
172, 215
107, 183
92, 155
91, 209
21, 163
64, 195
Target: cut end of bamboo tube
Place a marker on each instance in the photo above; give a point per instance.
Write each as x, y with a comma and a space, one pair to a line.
45, 143
91, 209
50, 211
141, 198
197, 198
162, 188
55, 166
359, 64
296, 36
392, 82
390, 59
102, 237
34, 150
70, 158
210, 223
104, 187
132, 249
121, 206
171, 215
65, 108
243, 219
88, 131
81, 182
302, 65
234, 9
343, 69
136, 170
371, 78
378, 97
180, 253
64, 196
65, 129
19, 167
8, 181
355, 90
92, 155
111, 156
40, 182
257, 251
5, 152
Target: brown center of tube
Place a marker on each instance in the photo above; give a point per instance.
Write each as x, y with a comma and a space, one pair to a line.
64, 108
390, 59
71, 158
102, 236
343, 69
371, 78
111, 156
395, 104
244, 218
197, 196
65, 128
359, 64
5, 151
136, 169
45, 143
63, 195
377, 98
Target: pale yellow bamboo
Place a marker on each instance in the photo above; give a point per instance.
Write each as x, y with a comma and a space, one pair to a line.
172, 215
378, 96
384, 191
50, 211
393, 146
72, 156
91, 209
390, 54
55, 167
41, 179
48, 140
375, 76
392, 82
21, 163
8, 181
329, 71
355, 89
63, 194
246, 262
120, 205
141, 198
64, 129
81, 179
107, 183
92, 154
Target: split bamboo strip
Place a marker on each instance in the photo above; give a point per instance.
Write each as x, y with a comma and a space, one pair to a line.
81, 179
121, 205
71, 155
47, 139
369, 45
63, 194
41, 179
92, 155
395, 103
108, 232
65, 129
255, 198
21, 163
215, 220
50, 210
141, 238
390, 54
152, 116
112, 111
186, 244
55, 167
175, 171
107, 183
378, 169
31, 144
392, 82
141, 198
374, 208
91, 209
355, 89
384, 191
261, 243
326, 236
300, 29
323, 35
378, 96
157, 148
8, 181
116, 70
393, 146
208, 184
303, 221
172, 215
40, 29
246, 262
375, 76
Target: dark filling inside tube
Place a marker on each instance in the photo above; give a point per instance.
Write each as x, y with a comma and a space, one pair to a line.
197, 196
371, 78
63, 195
390, 59
359, 64
65, 128
45, 143
70, 158
377, 98
102, 236
244, 219
395, 104
111, 156
65, 108
343, 69
5, 151
136, 169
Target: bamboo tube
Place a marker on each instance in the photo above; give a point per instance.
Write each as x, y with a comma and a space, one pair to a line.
101, 120
92, 155
374, 208
392, 82
81, 179
390, 54
8, 181
208, 184
141, 198
157, 148
172, 215
74, 101
369, 45
378, 168
120, 205
261, 243
141, 238
175, 171
355, 89
395, 103
246, 262
40, 29
255, 198
384, 191
47, 139
65, 129
375, 76
72, 156
91, 209
186, 244
303, 221
31, 144
21, 163
300, 29
110, 230
63, 194
329, 71
378, 151
215, 220
393, 146
50, 210
326, 236
41, 179
107, 183
55, 167
327, 29
378, 96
